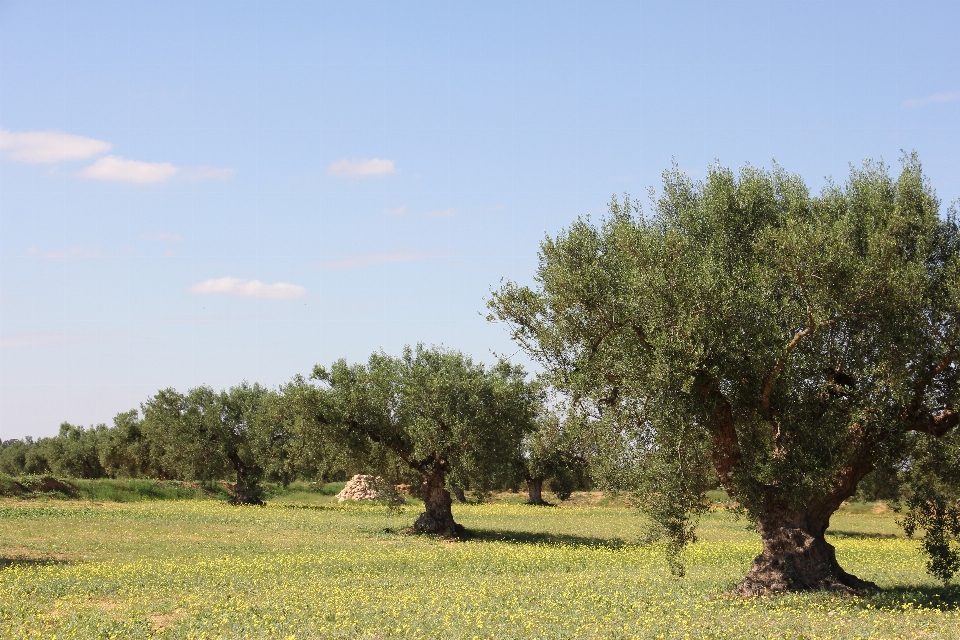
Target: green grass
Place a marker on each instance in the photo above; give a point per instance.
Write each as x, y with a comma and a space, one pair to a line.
315, 569
135, 490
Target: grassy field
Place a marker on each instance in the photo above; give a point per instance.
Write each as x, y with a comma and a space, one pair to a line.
304, 567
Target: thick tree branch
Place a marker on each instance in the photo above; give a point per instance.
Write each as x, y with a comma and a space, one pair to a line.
812, 326
920, 389
394, 444
936, 425
726, 452
778, 367
595, 344
638, 330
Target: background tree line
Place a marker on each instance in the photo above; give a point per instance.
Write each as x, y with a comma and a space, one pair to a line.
431, 418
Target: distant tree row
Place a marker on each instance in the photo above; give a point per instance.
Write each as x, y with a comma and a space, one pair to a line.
431, 418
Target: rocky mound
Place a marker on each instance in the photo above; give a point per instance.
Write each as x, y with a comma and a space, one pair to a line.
32, 485
362, 487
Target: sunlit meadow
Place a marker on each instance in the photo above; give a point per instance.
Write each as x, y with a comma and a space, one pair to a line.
309, 568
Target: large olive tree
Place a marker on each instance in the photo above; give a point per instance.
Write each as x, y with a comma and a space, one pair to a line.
453, 421
798, 341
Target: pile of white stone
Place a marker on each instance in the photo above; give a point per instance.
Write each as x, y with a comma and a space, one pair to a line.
361, 487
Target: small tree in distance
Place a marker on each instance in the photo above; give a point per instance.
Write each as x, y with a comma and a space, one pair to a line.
449, 419
123, 451
551, 453
798, 342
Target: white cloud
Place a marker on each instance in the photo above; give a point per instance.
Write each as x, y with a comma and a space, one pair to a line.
160, 236
399, 211
364, 167
204, 172
78, 251
446, 213
949, 96
123, 170
370, 259
47, 147
249, 288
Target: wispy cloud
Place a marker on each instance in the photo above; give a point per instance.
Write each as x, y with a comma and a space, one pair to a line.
398, 211
22, 340
212, 318
195, 174
370, 259
161, 236
77, 251
949, 96
119, 169
363, 167
445, 213
48, 147
51, 147
249, 288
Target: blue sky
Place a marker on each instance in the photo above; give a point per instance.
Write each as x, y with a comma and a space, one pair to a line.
206, 192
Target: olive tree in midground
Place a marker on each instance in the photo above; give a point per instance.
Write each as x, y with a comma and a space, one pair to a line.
202, 434
453, 421
798, 341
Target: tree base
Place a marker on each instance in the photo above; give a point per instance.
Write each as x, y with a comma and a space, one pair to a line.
243, 496
539, 503
796, 560
445, 527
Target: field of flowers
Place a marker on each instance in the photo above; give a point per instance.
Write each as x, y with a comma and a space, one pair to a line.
203, 569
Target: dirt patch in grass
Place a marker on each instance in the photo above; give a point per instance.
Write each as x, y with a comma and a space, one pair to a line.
160, 622
11, 556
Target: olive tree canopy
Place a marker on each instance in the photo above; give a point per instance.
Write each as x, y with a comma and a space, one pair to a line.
455, 422
201, 435
793, 341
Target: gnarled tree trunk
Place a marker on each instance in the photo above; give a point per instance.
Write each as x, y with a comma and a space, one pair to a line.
535, 491
797, 557
247, 489
438, 518
459, 495
245, 493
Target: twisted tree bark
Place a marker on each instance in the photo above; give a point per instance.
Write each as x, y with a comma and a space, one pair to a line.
535, 491
797, 557
437, 517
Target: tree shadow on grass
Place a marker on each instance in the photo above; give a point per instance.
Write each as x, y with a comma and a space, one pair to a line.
6, 562
305, 507
552, 539
860, 535
915, 597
